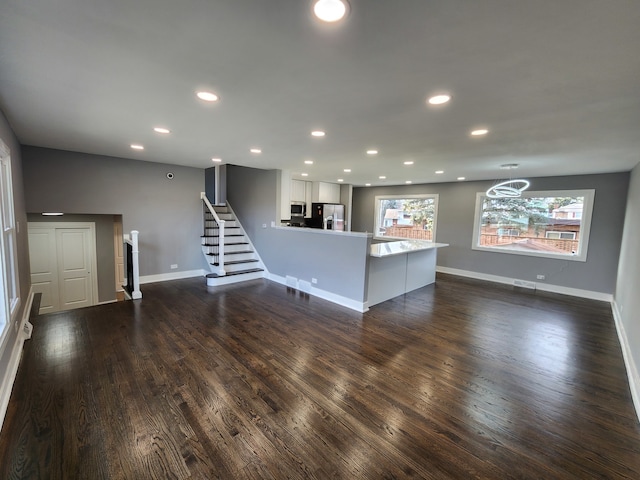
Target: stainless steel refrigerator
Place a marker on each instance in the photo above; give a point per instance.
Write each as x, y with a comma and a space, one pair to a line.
327, 215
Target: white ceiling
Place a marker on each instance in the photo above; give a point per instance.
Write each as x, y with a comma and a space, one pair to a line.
556, 82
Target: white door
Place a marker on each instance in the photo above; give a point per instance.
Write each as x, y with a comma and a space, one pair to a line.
63, 265
44, 267
74, 268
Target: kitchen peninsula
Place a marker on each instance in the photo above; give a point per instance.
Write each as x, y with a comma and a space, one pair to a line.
345, 268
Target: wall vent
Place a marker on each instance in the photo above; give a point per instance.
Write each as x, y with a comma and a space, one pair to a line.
524, 284
304, 286
292, 282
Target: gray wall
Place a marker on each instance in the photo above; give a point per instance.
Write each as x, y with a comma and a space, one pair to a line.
8, 137
455, 227
626, 297
167, 213
253, 194
104, 248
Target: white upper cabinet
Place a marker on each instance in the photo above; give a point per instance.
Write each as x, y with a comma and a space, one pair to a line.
298, 191
327, 192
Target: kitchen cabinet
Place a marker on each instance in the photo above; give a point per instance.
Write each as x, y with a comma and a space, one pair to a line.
324, 192
298, 191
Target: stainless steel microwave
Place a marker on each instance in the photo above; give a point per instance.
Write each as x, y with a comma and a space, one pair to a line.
298, 209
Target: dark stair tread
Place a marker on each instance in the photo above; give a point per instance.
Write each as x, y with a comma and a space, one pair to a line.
236, 262
238, 272
226, 244
218, 236
232, 253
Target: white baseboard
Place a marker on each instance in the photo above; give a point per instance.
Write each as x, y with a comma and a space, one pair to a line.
6, 386
627, 354
329, 296
543, 287
163, 277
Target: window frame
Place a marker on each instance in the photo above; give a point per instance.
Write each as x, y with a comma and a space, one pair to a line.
418, 196
585, 224
9, 275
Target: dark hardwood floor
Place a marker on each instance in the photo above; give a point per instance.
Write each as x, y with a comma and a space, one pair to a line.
458, 380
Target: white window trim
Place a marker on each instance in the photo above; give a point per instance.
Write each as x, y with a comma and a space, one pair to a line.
585, 224
11, 306
376, 216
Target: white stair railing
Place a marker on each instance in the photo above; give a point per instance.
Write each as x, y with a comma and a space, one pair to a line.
133, 266
220, 271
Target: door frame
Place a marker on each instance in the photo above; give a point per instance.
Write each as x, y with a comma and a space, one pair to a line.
92, 249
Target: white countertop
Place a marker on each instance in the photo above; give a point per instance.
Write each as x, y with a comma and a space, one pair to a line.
322, 231
387, 249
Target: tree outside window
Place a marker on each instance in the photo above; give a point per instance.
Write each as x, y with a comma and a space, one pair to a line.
406, 217
550, 224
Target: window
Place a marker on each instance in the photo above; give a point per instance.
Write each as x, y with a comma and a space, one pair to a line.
553, 224
562, 235
406, 216
9, 286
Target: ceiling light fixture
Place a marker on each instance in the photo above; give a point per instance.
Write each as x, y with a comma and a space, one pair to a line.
382, 177
347, 170
439, 172
308, 162
137, 147
511, 188
479, 132
330, 10
318, 133
255, 150
207, 96
372, 152
439, 99
161, 130
52, 214
408, 182
408, 162
216, 160
341, 179
367, 184
461, 178
304, 174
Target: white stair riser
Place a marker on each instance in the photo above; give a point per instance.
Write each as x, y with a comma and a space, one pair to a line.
213, 282
229, 257
240, 266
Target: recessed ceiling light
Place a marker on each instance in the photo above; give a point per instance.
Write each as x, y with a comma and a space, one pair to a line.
408, 162
382, 177
341, 179
309, 162
255, 150
137, 147
347, 170
216, 160
161, 130
439, 172
479, 132
367, 184
408, 181
330, 10
304, 174
318, 133
372, 152
461, 178
207, 96
52, 214
439, 99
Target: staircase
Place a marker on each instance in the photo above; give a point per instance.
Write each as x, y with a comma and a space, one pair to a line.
240, 261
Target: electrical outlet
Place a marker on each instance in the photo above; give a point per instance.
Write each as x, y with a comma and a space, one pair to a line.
264, 225
540, 277
174, 266
314, 281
